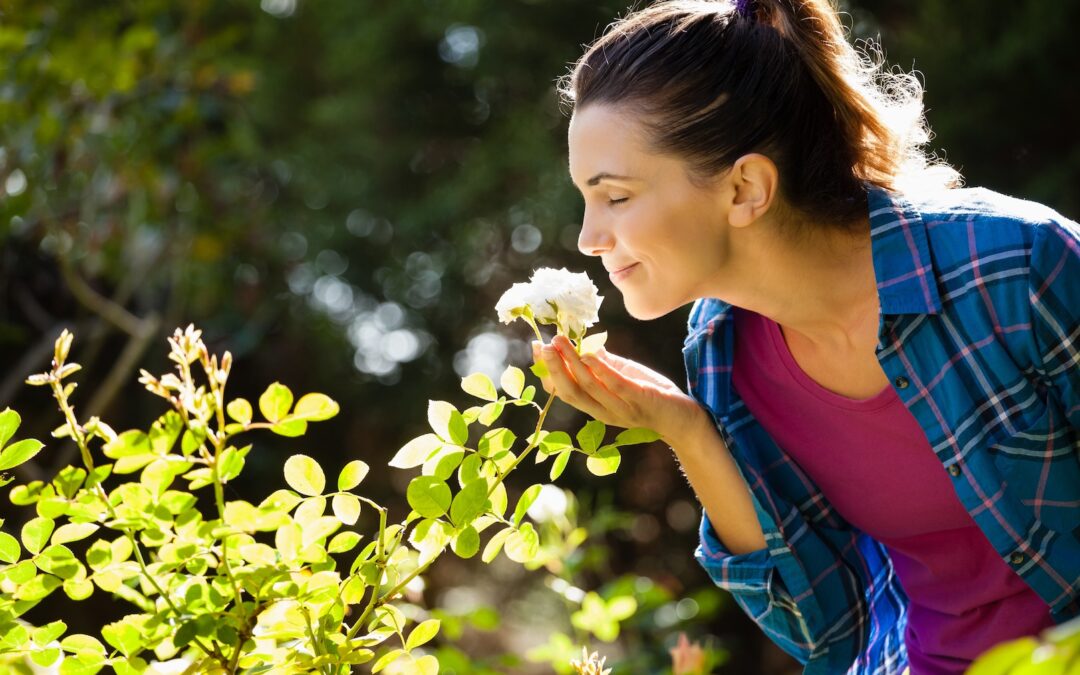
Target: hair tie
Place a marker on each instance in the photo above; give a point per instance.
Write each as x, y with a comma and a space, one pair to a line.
744, 8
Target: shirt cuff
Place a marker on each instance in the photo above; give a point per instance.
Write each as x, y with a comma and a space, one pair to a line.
743, 572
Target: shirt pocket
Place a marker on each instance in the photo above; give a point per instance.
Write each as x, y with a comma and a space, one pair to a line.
1039, 461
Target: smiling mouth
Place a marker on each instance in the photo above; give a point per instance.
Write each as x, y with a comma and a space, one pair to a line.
622, 272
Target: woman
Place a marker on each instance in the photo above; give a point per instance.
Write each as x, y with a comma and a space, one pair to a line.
884, 391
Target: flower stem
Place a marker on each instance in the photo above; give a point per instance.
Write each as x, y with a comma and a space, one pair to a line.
535, 441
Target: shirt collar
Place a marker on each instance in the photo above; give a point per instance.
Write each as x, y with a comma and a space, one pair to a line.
902, 265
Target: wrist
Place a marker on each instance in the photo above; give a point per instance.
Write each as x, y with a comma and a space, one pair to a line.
690, 428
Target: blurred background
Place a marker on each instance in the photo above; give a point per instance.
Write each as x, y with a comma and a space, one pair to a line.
338, 192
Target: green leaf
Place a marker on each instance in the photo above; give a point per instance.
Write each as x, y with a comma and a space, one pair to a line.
49, 632
513, 381
45, 657
239, 410
343, 541
38, 587
605, 462
416, 451
231, 462
553, 442
24, 495
275, 402
353, 473
73, 532
621, 607
495, 442
480, 386
422, 634
304, 475
635, 436
9, 548
425, 665
459, 430
290, 427
128, 444
36, 532
352, 592
592, 343
591, 436
428, 496
78, 589
99, 554
442, 463
159, 475
467, 542
469, 469
316, 407
540, 369
126, 635
346, 508
491, 412
13, 638
386, 659
559, 465
527, 499
18, 453
470, 502
523, 544
495, 544
438, 415
82, 644
83, 664
9, 424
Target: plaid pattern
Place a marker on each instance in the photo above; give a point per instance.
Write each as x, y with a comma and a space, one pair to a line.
980, 335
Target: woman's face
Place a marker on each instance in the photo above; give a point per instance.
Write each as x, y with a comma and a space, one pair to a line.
662, 238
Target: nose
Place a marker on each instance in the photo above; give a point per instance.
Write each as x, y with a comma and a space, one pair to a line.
595, 237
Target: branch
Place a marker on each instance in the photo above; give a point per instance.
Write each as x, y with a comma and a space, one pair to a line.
99, 304
121, 371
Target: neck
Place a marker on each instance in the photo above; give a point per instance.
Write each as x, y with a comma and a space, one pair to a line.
822, 286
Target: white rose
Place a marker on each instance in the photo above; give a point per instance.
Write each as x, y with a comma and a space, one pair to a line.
567, 299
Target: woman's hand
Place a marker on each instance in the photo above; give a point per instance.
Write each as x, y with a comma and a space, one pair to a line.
617, 391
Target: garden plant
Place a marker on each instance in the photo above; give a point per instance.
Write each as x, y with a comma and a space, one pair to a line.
284, 585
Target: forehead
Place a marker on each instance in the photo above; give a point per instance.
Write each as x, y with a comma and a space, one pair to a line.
604, 138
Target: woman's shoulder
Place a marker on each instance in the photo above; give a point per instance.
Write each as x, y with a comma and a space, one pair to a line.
982, 207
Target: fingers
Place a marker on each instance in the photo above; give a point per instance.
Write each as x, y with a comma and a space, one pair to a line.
585, 373
565, 383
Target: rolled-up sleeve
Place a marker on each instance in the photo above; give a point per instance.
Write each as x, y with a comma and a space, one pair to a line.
755, 582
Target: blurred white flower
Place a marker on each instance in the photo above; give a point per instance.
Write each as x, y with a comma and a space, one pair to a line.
567, 299
550, 504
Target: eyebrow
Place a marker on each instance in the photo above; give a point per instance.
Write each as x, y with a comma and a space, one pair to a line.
595, 180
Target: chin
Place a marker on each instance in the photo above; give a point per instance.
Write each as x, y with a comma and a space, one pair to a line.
645, 311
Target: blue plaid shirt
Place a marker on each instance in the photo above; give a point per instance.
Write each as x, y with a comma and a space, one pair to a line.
979, 333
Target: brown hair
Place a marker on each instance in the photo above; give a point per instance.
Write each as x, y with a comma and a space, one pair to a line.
712, 83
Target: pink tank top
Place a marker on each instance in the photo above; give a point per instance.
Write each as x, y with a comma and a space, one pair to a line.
873, 463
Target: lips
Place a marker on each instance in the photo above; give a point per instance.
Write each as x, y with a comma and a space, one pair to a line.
616, 270
622, 272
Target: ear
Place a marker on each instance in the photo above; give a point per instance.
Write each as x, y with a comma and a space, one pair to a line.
755, 182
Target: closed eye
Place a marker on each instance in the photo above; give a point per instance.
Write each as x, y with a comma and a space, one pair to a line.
619, 200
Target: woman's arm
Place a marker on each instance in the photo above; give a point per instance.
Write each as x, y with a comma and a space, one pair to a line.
623, 393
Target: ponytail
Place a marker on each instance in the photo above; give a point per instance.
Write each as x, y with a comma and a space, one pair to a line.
716, 79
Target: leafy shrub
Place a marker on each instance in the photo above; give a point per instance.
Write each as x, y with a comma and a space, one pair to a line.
261, 587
